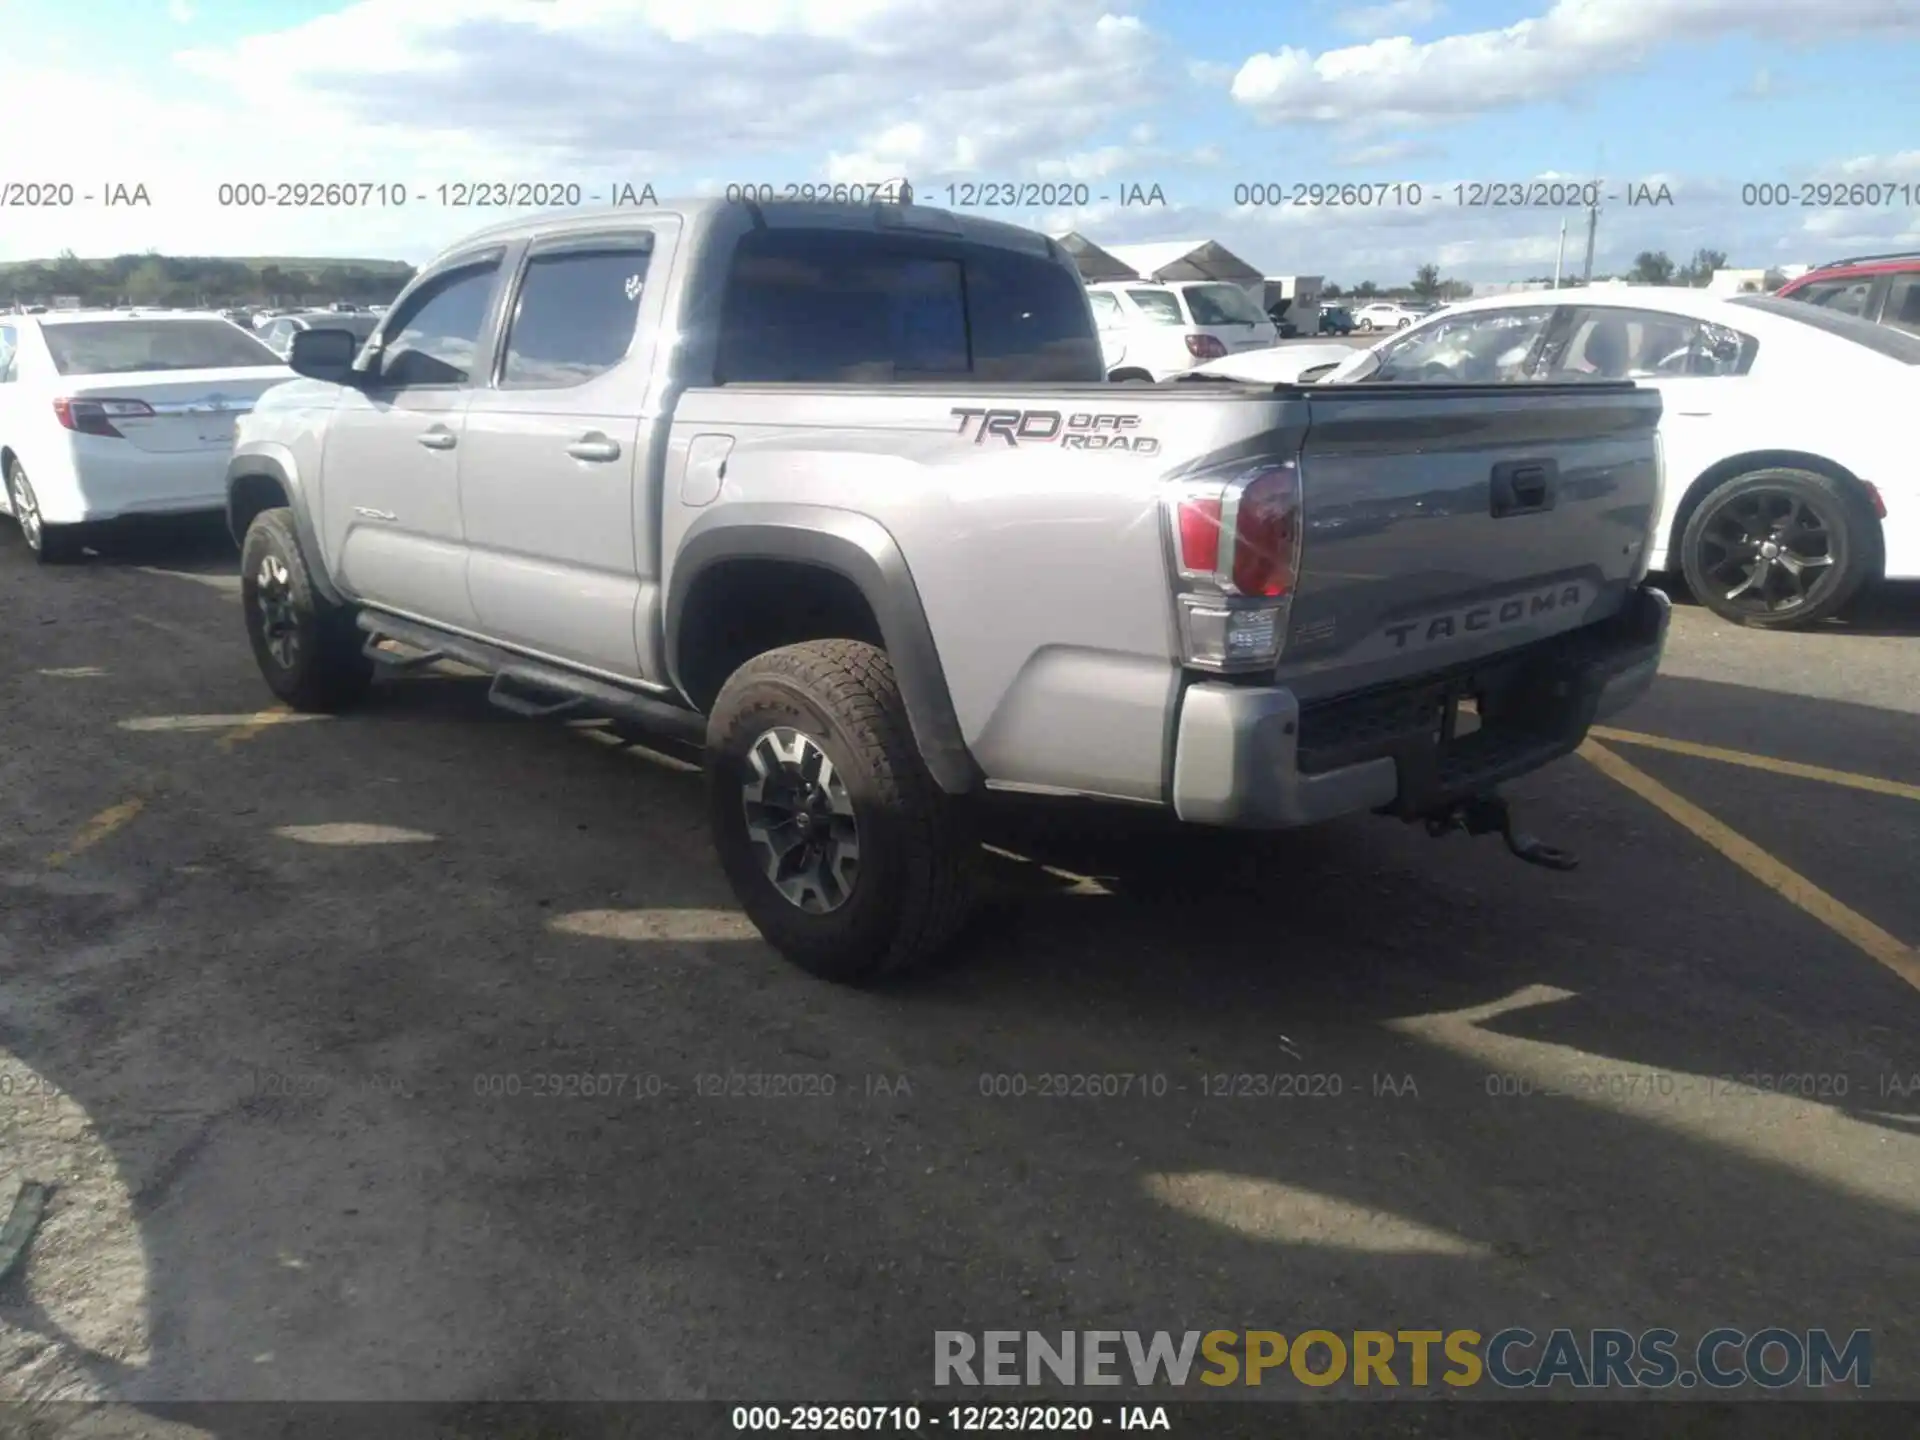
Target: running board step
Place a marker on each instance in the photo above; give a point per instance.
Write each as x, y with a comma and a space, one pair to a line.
528, 688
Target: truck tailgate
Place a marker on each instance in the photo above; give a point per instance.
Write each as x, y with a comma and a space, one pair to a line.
1447, 523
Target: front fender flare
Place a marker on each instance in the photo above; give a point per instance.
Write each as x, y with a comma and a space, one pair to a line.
276, 463
857, 548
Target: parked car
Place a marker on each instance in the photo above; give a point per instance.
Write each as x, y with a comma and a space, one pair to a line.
1301, 364
107, 417
279, 332
584, 453
1387, 315
1884, 289
1790, 481
1153, 332
1335, 320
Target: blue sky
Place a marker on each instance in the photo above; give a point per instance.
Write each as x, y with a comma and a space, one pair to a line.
1702, 96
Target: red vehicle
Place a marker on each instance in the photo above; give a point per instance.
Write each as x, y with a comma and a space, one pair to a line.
1882, 288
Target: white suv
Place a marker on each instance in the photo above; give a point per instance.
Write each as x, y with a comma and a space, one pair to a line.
1150, 331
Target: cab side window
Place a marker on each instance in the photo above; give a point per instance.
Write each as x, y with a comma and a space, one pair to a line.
1903, 303
434, 337
825, 308
9, 347
576, 314
1849, 297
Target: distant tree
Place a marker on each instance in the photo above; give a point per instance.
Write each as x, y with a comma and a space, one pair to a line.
1330, 291
1773, 280
1651, 267
1426, 281
1365, 290
149, 284
1699, 270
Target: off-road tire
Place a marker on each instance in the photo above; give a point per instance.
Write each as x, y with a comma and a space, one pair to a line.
915, 886
1856, 545
57, 544
328, 670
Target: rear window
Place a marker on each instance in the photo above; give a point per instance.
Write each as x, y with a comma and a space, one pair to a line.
830, 307
1223, 305
1881, 339
115, 347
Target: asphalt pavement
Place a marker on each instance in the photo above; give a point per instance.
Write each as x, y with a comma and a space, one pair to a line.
388, 1056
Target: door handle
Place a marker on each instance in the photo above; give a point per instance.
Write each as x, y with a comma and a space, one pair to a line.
439, 438
594, 447
1695, 414
1523, 487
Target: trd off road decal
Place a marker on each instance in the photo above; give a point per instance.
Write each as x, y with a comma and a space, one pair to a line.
1081, 431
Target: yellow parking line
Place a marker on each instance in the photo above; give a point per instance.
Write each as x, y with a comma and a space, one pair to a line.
1760, 762
1849, 924
259, 724
96, 830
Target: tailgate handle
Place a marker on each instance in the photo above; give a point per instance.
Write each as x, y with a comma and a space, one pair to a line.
1523, 487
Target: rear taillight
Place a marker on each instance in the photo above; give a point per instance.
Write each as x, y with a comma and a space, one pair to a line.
96, 417
1238, 540
1205, 347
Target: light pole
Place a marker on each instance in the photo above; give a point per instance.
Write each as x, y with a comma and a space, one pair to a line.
1560, 259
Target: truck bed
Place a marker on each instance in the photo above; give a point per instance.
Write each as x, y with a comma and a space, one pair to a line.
1044, 568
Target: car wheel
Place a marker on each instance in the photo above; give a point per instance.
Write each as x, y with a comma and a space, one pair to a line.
1779, 548
1402, 324
310, 652
1364, 324
48, 544
841, 848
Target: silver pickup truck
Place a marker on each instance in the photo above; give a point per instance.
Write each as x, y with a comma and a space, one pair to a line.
840, 493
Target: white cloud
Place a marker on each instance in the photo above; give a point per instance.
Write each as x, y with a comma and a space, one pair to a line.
447, 90
1393, 18
180, 12
425, 91
1903, 166
1398, 82
1389, 152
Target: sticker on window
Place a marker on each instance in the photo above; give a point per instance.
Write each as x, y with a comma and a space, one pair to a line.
633, 286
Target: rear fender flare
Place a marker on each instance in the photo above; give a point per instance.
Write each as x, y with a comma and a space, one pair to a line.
859, 549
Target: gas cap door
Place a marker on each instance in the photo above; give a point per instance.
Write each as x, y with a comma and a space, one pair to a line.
706, 470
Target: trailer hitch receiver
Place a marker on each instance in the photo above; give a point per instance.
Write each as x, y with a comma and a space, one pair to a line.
1491, 815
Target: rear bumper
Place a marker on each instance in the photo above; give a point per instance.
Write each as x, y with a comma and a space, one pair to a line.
1255, 758
108, 479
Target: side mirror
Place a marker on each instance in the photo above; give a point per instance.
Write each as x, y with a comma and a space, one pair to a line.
324, 355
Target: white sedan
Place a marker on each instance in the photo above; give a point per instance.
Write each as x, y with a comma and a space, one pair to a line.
1389, 315
1786, 444
110, 416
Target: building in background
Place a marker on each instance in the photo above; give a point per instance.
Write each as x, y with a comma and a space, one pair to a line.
1190, 260
1299, 297
1752, 281
1094, 263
